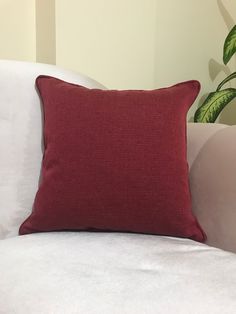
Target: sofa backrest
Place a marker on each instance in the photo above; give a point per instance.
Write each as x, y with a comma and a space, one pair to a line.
211, 156
20, 137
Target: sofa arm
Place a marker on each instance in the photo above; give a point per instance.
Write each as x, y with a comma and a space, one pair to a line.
211, 156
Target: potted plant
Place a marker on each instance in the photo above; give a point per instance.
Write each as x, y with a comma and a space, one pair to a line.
217, 100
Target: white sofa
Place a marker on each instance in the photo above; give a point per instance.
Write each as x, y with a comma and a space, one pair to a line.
88, 273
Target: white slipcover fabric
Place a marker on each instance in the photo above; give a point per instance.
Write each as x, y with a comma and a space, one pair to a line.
211, 151
211, 155
88, 273
113, 273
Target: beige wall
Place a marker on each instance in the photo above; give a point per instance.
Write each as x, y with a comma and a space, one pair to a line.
190, 37
45, 31
17, 30
125, 43
146, 44
112, 41
27, 30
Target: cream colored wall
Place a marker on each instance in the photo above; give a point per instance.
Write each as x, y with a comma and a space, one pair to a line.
125, 43
146, 44
189, 45
45, 31
17, 30
112, 41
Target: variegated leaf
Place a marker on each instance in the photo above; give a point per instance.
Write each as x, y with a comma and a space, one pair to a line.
229, 45
227, 79
213, 105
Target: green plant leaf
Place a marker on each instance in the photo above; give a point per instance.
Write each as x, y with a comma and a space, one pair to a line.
227, 79
213, 105
229, 45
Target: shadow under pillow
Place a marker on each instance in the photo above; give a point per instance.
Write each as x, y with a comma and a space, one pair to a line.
114, 161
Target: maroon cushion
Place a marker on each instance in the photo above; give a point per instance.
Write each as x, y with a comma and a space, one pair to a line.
114, 161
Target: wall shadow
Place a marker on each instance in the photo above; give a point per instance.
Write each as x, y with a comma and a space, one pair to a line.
228, 19
215, 68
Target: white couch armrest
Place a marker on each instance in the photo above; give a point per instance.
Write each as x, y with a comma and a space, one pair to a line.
211, 156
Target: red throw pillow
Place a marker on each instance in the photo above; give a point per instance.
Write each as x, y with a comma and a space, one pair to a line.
114, 161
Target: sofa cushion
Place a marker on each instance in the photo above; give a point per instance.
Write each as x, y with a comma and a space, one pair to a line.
114, 160
94, 273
